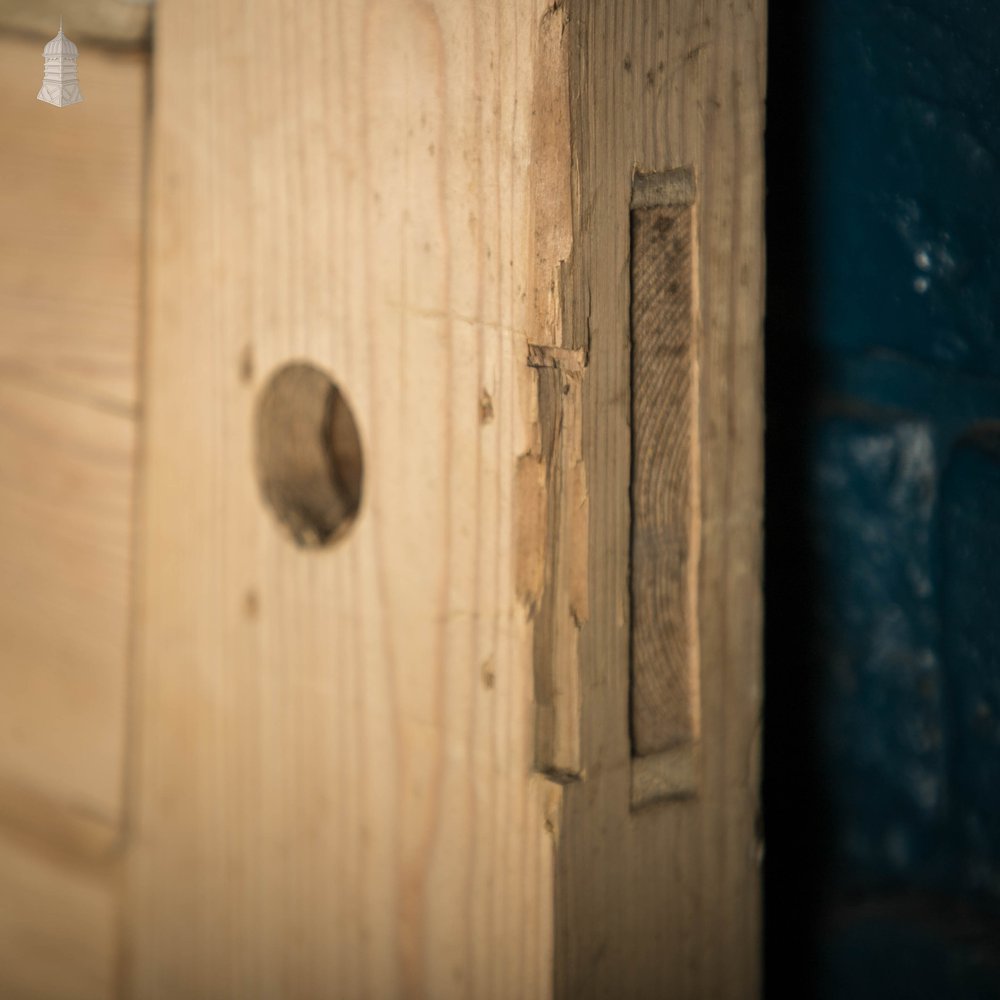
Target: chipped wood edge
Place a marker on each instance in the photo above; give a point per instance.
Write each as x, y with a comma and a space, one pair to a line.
672, 774
552, 477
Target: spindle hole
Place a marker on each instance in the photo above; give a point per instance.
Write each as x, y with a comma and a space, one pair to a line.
309, 460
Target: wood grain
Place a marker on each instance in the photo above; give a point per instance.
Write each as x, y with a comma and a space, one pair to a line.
663, 554
111, 22
560, 606
70, 208
333, 788
665, 901
71, 204
65, 528
57, 929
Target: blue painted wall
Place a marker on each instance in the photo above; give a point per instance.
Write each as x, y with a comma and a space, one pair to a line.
882, 761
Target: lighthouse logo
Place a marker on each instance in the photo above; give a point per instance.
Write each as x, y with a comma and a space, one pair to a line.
60, 86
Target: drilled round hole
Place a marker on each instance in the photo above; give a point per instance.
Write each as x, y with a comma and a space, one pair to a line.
309, 462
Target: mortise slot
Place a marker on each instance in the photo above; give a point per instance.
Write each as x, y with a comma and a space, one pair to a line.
664, 674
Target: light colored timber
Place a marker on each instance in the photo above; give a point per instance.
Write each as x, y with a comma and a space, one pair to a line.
117, 22
560, 604
343, 755
334, 787
664, 901
70, 205
65, 523
66, 833
57, 929
65, 520
70, 210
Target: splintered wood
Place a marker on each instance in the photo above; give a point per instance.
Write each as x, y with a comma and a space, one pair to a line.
408, 763
664, 543
664, 900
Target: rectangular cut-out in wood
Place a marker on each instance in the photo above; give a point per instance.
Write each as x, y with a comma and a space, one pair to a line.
664, 487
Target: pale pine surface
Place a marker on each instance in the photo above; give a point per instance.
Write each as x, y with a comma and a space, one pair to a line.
70, 209
333, 788
57, 927
70, 205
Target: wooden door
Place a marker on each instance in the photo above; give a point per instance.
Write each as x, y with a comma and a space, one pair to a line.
445, 671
